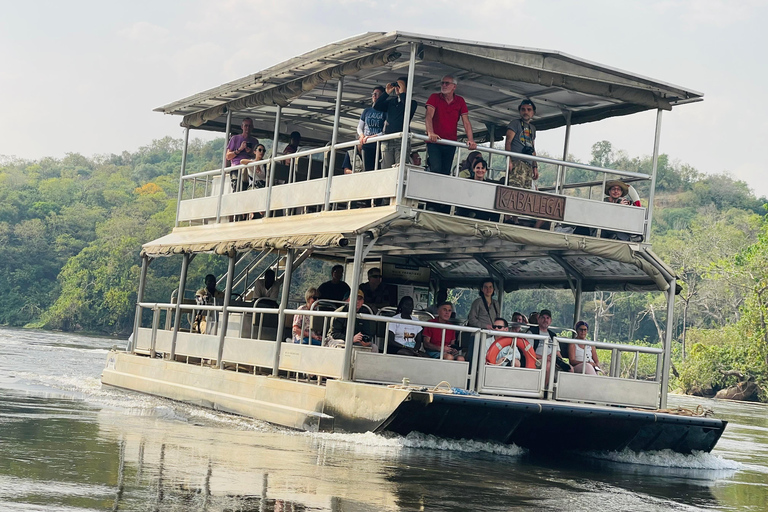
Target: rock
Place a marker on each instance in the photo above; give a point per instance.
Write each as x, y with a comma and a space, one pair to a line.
705, 391
746, 391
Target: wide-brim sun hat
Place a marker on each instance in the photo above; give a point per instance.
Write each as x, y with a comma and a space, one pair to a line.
616, 183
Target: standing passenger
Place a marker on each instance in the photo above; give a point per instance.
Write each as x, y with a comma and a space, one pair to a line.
443, 113
393, 103
371, 124
293, 144
484, 309
521, 135
240, 150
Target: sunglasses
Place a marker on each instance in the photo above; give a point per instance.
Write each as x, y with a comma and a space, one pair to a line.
498, 326
260, 150
315, 297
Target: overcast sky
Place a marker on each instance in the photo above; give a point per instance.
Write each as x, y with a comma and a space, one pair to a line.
83, 76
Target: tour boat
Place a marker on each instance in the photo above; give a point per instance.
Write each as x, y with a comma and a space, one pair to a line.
244, 361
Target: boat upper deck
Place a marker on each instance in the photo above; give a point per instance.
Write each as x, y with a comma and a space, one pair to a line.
309, 202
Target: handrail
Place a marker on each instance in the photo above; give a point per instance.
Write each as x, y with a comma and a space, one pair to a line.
298, 154
541, 159
611, 346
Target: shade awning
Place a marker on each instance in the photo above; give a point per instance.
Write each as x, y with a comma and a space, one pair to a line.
319, 230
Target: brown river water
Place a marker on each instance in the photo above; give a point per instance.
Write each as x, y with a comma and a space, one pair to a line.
68, 444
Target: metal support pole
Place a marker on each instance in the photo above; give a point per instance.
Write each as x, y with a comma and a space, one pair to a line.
334, 139
404, 142
656, 139
577, 302
271, 181
667, 362
281, 309
181, 175
224, 306
179, 300
346, 371
139, 298
560, 169
223, 166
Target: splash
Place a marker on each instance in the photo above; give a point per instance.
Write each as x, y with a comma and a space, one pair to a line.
419, 441
670, 459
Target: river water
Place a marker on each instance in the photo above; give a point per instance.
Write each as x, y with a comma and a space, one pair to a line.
66, 443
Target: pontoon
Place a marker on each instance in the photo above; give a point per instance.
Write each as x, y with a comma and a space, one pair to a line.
244, 361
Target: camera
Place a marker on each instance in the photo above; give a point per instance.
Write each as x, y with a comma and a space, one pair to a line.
366, 338
249, 145
395, 85
527, 150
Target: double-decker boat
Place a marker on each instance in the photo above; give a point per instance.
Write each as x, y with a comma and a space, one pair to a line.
243, 361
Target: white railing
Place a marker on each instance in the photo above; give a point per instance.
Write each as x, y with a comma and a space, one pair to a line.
295, 192
245, 344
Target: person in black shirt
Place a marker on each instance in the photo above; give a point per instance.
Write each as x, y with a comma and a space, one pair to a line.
335, 289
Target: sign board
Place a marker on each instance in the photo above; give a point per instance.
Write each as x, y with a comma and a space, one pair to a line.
530, 203
409, 273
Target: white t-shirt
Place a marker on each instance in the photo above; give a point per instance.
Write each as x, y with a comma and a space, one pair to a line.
401, 329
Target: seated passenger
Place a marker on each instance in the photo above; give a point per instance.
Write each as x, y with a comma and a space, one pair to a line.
301, 323
403, 338
240, 150
259, 173
484, 309
376, 293
619, 192
469, 163
583, 358
266, 286
533, 318
293, 144
203, 321
415, 158
335, 289
209, 295
441, 341
506, 354
364, 331
542, 348
478, 173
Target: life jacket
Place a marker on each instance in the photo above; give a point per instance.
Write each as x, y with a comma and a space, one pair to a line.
522, 344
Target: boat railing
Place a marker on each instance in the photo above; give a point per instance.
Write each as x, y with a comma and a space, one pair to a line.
292, 189
613, 389
248, 336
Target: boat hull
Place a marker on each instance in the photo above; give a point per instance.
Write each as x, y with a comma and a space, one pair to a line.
345, 406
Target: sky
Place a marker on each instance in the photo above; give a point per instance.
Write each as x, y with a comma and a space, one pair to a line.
83, 76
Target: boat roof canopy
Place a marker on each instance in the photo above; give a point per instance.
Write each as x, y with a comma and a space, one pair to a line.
459, 252
492, 78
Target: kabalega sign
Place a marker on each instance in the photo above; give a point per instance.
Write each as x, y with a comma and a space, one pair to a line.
530, 203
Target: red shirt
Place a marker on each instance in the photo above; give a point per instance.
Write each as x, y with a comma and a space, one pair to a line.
447, 115
436, 334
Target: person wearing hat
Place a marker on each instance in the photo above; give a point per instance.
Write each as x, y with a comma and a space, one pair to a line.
618, 192
583, 357
521, 135
364, 331
392, 103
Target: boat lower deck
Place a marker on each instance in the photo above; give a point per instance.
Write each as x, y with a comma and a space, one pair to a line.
347, 406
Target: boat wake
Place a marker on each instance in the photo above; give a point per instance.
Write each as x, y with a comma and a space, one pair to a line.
419, 441
669, 459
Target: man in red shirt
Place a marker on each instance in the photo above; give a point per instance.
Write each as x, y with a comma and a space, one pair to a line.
443, 113
436, 340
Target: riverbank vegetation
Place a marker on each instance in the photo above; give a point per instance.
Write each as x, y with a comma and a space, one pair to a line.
72, 228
